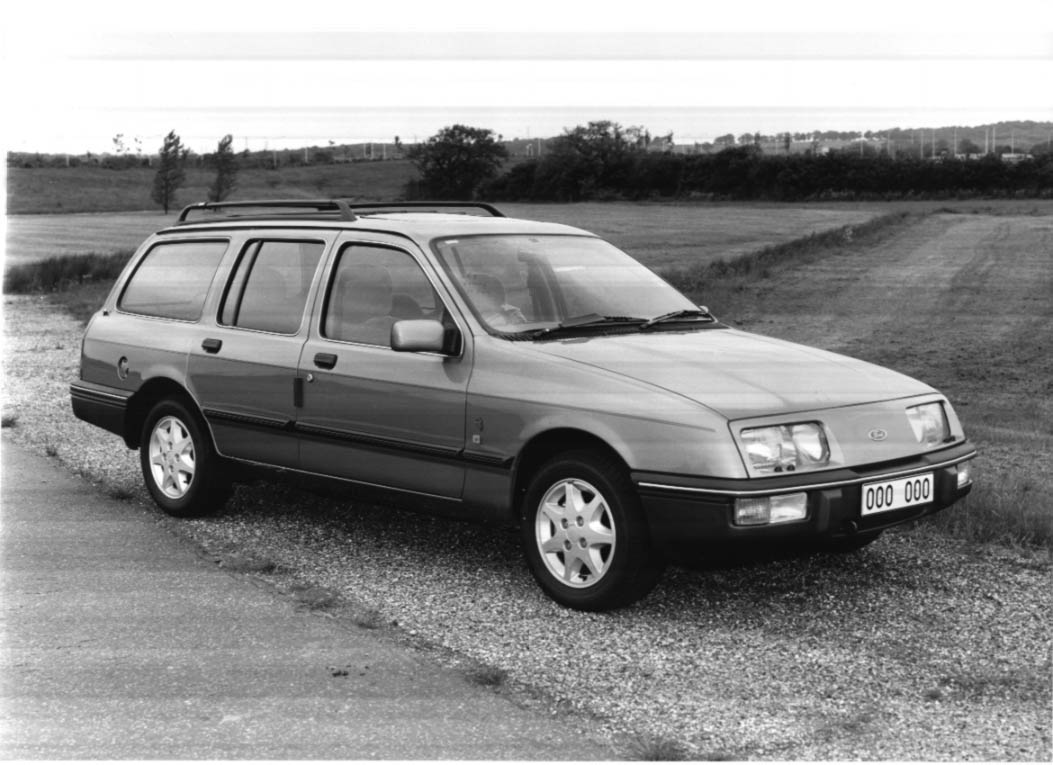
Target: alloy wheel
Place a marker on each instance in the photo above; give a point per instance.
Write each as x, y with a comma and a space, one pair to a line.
172, 457
575, 533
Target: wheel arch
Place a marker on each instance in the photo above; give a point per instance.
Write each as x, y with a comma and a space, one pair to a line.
144, 399
541, 447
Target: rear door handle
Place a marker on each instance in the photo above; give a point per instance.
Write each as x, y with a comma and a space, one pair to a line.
325, 360
211, 345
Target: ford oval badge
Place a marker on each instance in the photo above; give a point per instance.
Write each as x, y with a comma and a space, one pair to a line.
877, 434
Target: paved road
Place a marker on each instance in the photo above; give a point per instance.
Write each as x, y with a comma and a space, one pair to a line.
120, 642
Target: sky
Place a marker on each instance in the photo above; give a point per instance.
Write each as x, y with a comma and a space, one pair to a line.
76, 75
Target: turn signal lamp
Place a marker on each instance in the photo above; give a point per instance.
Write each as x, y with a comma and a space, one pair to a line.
766, 511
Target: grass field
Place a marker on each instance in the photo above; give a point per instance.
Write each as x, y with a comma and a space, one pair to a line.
661, 236
31, 238
677, 235
96, 189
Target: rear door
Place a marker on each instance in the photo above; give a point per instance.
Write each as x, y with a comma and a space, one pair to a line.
370, 413
243, 368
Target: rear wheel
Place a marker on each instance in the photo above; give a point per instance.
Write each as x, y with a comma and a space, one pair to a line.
584, 534
181, 469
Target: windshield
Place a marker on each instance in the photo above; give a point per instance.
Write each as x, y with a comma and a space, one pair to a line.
519, 283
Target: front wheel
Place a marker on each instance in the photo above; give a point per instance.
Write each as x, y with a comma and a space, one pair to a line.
180, 467
584, 534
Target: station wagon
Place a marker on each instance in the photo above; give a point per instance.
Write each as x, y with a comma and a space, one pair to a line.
508, 371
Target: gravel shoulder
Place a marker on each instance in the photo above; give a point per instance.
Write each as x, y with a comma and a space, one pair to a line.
917, 648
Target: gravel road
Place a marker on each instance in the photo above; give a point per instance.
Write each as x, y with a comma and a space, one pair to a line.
917, 648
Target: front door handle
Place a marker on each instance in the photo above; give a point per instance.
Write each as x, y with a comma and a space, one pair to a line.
211, 345
325, 360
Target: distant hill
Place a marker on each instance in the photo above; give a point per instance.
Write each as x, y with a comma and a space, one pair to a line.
1026, 133
42, 183
1019, 135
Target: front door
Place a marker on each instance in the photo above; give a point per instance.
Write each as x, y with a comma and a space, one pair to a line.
372, 414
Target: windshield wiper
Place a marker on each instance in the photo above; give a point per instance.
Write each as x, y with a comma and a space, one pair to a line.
701, 313
577, 322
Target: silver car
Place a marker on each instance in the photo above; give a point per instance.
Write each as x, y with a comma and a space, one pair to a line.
509, 371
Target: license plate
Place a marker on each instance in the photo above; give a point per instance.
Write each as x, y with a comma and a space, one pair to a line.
893, 495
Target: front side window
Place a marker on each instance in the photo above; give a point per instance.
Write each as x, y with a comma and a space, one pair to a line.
268, 290
515, 283
173, 279
372, 288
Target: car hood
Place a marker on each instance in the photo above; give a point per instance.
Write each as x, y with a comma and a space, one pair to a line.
736, 373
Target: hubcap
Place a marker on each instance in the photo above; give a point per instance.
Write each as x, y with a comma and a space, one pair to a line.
575, 533
172, 459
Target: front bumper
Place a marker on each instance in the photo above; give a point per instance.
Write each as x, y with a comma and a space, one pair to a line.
689, 511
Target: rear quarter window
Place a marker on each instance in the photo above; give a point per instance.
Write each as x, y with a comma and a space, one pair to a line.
173, 279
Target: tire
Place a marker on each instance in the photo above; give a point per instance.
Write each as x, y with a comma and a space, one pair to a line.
841, 545
599, 556
181, 469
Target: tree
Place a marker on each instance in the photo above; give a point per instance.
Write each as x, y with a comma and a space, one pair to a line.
637, 136
590, 160
454, 162
1043, 148
226, 165
602, 142
170, 174
968, 148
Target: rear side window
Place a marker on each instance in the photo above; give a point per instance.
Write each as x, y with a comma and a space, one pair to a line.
173, 279
268, 291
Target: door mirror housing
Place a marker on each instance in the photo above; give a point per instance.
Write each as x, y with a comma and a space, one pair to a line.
418, 336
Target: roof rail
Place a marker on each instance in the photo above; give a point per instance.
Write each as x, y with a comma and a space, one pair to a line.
326, 207
421, 206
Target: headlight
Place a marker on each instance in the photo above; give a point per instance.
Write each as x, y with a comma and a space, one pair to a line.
929, 423
780, 448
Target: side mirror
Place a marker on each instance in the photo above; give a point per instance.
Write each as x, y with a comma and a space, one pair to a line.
418, 336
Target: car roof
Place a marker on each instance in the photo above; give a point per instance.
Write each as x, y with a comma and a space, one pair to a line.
419, 225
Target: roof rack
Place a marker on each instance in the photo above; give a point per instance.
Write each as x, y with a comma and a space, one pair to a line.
324, 209
378, 207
